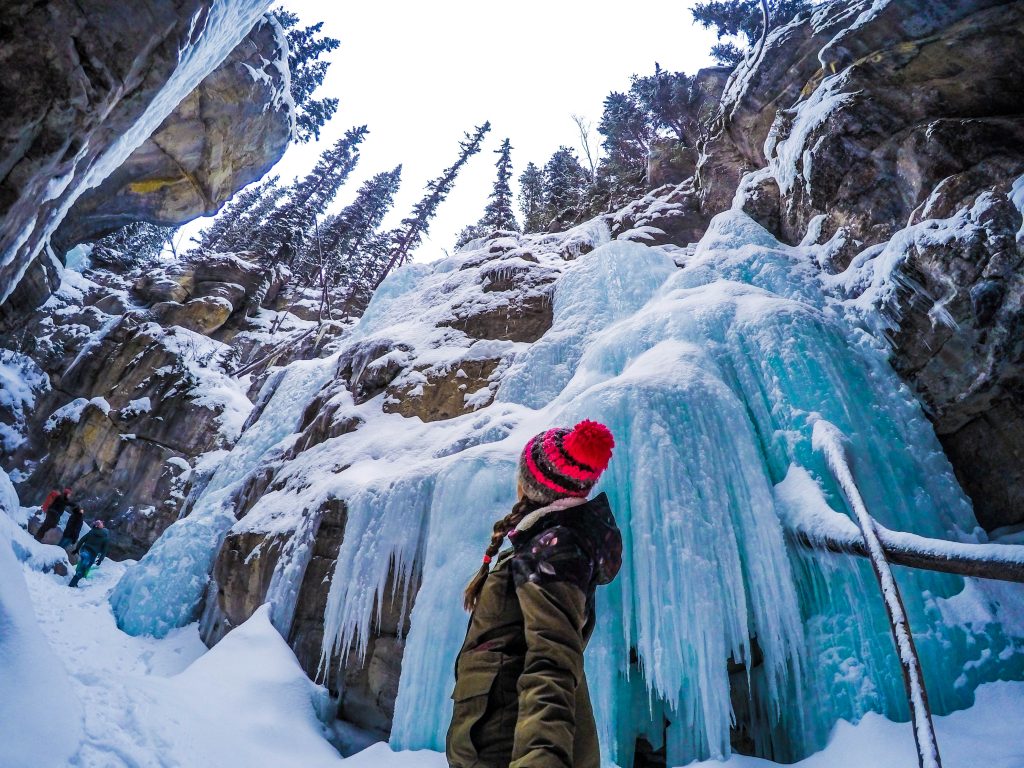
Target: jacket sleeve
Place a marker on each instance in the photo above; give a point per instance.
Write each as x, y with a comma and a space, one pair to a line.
50, 498
554, 610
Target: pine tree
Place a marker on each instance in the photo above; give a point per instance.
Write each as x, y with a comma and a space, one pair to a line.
133, 245
305, 47
360, 272
337, 255
278, 239
471, 232
627, 133
742, 19
565, 181
213, 238
668, 99
499, 215
239, 237
415, 226
531, 198
360, 219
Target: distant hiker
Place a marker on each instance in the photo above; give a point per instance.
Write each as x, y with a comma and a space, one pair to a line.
53, 508
73, 528
91, 549
521, 697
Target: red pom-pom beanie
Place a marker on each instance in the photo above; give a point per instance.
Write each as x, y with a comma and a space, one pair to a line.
565, 462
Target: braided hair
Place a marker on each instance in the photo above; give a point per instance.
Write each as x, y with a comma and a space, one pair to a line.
520, 509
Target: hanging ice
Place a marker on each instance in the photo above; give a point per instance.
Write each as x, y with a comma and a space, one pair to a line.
710, 377
163, 590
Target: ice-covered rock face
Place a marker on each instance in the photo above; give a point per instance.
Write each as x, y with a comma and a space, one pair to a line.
711, 377
94, 80
893, 127
223, 135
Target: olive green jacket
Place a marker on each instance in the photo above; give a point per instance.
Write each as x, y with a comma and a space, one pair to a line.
521, 698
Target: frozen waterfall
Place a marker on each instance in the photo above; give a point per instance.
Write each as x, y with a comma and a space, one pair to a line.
710, 377
163, 590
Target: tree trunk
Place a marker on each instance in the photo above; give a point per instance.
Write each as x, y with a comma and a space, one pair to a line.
831, 442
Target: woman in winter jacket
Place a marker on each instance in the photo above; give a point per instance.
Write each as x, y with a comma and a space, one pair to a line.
521, 698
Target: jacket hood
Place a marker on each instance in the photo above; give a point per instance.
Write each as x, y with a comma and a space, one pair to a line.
592, 522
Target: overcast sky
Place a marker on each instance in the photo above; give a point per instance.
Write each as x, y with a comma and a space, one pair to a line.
419, 74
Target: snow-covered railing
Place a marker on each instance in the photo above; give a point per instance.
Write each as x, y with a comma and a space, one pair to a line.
832, 443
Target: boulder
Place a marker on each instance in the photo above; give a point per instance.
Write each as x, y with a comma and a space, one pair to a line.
203, 315
433, 395
233, 293
222, 136
668, 215
163, 286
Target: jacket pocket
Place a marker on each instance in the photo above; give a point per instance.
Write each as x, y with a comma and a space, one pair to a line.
478, 672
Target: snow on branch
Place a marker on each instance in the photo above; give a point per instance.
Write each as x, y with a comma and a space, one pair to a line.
827, 438
814, 524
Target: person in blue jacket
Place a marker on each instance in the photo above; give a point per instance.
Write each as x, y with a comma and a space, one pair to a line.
91, 550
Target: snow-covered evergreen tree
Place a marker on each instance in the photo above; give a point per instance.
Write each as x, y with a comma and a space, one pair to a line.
223, 233
278, 239
360, 219
470, 232
499, 213
627, 131
668, 99
414, 226
133, 245
565, 181
343, 253
531, 198
239, 236
305, 47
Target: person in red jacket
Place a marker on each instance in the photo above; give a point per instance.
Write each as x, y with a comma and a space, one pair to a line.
53, 508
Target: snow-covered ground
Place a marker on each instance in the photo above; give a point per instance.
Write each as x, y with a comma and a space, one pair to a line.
170, 702
138, 701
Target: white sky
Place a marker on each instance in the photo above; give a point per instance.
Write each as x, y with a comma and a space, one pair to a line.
419, 74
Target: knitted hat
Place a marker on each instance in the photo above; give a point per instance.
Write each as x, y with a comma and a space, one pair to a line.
565, 462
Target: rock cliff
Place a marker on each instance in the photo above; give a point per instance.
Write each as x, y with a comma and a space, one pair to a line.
868, 120
130, 370
85, 84
133, 383
223, 135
